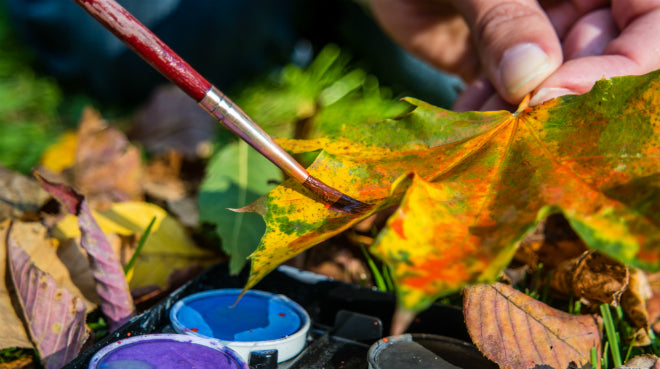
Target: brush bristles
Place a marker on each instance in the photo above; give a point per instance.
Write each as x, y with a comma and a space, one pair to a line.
334, 198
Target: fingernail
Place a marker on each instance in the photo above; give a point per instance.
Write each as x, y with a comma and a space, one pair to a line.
521, 64
548, 93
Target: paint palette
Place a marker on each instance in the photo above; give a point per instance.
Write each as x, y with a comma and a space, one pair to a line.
258, 321
346, 319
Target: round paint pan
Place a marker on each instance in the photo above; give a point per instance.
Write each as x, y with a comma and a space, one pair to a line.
166, 351
258, 321
425, 351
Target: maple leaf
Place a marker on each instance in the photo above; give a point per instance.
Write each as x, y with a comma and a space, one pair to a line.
470, 186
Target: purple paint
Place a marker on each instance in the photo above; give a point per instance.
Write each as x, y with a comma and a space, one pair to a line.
166, 351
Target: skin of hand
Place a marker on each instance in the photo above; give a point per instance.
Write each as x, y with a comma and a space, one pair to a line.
506, 49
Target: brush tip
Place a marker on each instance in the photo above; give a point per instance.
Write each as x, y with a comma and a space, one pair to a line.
336, 199
350, 205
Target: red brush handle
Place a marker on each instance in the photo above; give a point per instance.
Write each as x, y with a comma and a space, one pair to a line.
146, 44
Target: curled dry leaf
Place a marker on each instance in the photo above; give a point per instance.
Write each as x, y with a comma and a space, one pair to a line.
653, 302
50, 256
642, 362
162, 177
592, 276
107, 167
55, 317
552, 243
13, 333
172, 121
19, 195
519, 332
111, 285
633, 302
168, 247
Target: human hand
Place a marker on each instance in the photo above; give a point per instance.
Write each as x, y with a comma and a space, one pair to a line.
507, 49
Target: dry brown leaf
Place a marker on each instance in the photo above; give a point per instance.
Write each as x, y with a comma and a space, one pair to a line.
552, 243
653, 302
642, 362
13, 333
45, 253
107, 167
54, 317
19, 195
172, 121
633, 303
592, 276
519, 332
162, 177
30, 362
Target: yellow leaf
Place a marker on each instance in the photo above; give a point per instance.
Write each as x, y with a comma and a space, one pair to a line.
61, 154
167, 248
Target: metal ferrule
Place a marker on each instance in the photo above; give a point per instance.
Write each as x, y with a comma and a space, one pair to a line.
232, 117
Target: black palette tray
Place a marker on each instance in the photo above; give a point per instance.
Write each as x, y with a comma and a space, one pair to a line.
346, 319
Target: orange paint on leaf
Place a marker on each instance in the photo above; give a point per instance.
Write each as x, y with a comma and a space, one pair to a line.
397, 226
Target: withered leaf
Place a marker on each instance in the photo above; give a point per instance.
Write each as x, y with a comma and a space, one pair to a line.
13, 333
19, 195
642, 362
593, 276
519, 332
633, 302
111, 285
172, 121
552, 243
107, 166
56, 318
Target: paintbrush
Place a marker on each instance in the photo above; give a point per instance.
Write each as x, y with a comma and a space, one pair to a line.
155, 52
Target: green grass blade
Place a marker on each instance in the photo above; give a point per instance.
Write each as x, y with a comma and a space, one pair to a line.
143, 240
594, 358
611, 334
378, 277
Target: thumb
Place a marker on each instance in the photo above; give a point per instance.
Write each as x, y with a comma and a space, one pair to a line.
517, 44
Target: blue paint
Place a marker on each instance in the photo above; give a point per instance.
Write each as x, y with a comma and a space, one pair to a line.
258, 316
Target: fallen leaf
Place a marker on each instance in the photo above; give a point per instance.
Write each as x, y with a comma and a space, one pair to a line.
21, 363
472, 185
653, 302
13, 333
552, 243
162, 177
19, 195
168, 247
61, 154
518, 332
47, 254
642, 362
633, 303
56, 318
107, 167
593, 276
171, 121
111, 286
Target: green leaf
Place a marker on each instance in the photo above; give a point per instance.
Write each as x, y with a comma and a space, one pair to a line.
236, 176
